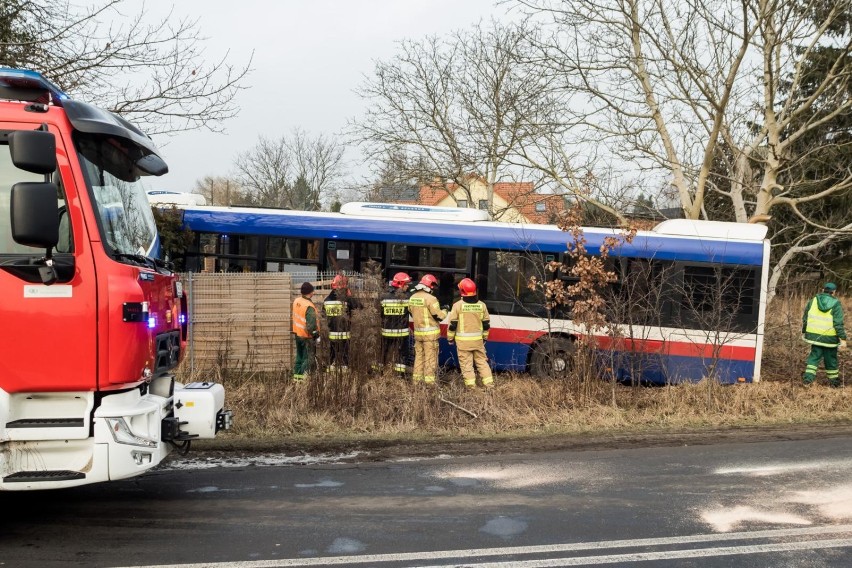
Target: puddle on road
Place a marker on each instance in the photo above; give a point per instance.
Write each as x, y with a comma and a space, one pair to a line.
346, 546
504, 527
819, 501
322, 483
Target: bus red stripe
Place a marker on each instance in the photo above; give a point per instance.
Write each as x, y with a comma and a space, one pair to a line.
680, 348
674, 348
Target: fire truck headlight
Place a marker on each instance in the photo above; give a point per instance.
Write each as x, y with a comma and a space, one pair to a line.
122, 434
141, 458
152, 322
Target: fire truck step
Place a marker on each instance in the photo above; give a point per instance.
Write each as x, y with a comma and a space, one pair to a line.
46, 423
56, 475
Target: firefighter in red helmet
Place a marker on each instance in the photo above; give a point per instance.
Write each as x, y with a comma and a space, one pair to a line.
468, 329
338, 307
427, 314
393, 309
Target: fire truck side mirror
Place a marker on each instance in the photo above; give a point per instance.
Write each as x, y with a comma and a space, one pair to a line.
35, 214
33, 151
152, 165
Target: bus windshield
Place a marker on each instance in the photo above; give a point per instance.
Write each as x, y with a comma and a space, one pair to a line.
125, 219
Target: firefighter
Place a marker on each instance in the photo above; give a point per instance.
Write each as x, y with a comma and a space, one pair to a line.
468, 329
426, 314
306, 326
394, 315
822, 327
338, 307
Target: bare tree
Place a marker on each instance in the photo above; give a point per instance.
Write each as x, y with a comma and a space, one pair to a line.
709, 95
218, 190
396, 176
294, 172
266, 173
151, 72
318, 162
458, 108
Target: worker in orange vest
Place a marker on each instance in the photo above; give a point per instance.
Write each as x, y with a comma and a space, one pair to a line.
306, 326
468, 329
426, 313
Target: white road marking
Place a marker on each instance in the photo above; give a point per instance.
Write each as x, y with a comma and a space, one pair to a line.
821, 531
665, 555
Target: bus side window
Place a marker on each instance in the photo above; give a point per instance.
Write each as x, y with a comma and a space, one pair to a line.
722, 298
643, 292
502, 279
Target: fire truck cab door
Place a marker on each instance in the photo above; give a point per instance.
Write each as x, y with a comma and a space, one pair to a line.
48, 332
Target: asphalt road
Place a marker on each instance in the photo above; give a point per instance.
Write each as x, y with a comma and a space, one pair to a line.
779, 504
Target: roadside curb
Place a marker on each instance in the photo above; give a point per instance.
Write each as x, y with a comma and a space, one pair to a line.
381, 450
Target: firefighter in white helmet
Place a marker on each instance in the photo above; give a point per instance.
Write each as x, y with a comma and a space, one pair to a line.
468, 329
426, 314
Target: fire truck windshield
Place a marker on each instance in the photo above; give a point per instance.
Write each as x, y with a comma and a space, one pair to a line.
125, 220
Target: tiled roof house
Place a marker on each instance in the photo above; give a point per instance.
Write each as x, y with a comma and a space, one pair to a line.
514, 202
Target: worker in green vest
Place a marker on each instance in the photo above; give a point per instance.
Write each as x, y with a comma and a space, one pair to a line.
822, 327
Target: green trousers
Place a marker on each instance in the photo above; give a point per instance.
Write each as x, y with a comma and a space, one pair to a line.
819, 353
304, 357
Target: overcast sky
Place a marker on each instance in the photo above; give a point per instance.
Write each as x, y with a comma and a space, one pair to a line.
309, 56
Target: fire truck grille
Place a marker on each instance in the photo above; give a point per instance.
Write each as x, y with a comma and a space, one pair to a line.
168, 351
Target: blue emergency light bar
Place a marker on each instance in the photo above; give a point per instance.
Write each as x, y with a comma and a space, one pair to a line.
29, 86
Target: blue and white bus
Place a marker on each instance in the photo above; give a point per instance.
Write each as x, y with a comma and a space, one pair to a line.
689, 301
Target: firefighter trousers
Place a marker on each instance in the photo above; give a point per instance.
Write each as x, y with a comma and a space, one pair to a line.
338, 353
425, 359
395, 353
471, 356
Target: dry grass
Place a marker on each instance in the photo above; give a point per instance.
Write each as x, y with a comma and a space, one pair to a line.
362, 405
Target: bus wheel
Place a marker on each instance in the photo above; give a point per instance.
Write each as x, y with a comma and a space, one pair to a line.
552, 358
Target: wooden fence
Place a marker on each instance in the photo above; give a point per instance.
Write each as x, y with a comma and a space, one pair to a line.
241, 321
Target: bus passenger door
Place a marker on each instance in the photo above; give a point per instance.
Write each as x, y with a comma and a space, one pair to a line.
339, 256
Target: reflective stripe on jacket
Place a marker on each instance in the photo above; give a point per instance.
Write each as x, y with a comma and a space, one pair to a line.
819, 326
469, 321
301, 326
822, 321
426, 314
338, 307
393, 309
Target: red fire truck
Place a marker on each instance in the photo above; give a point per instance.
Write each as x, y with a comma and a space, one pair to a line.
92, 322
